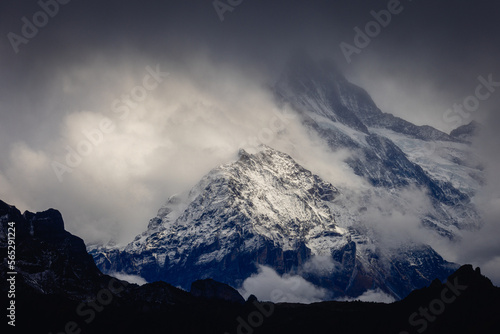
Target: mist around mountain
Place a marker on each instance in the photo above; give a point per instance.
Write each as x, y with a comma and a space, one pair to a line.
467, 132
389, 192
345, 203
264, 243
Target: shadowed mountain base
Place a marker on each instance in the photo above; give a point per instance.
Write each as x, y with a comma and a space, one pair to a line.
59, 290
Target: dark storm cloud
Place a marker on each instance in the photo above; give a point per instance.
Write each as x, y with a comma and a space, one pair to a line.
429, 57
438, 35
442, 45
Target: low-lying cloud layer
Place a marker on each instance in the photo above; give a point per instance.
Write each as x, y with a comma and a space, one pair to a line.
129, 278
267, 285
376, 296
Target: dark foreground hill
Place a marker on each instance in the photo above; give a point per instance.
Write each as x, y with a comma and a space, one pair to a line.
58, 289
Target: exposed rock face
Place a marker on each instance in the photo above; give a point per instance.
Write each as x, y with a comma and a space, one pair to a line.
48, 258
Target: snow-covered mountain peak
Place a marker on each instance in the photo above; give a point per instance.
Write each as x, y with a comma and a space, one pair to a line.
264, 208
319, 88
268, 190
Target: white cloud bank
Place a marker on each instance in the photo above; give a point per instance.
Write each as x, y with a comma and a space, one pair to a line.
193, 121
377, 296
267, 285
129, 278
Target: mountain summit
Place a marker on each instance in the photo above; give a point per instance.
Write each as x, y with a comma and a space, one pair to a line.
265, 209
387, 151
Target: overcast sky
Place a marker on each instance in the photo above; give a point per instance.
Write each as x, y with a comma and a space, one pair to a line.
71, 75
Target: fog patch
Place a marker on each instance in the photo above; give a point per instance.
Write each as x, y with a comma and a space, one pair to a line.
129, 278
322, 265
377, 296
268, 285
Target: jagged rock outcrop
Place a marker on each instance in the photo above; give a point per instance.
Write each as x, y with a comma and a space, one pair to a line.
48, 258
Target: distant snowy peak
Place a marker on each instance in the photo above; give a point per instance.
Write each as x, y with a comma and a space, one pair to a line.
309, 85
385, 150
320, 88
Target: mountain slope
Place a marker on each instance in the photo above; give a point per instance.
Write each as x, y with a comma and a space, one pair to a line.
266, 209
324, 99
319, 87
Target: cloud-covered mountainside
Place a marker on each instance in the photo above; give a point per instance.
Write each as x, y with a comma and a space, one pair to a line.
362, 219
